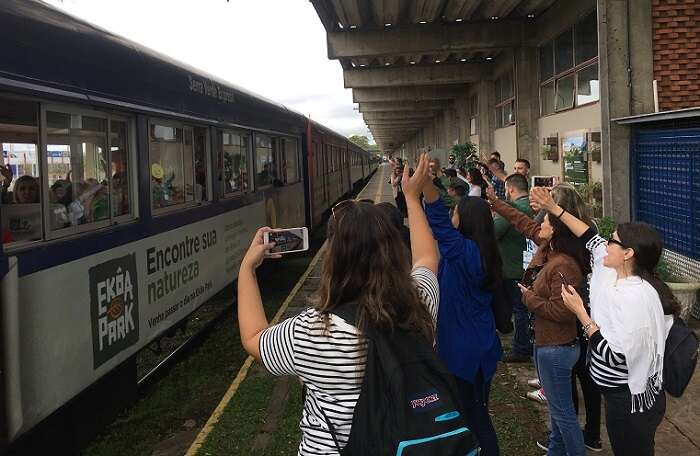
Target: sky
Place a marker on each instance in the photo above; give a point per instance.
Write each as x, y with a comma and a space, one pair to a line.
276, 48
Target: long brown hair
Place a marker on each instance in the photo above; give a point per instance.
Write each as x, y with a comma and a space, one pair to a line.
367, 263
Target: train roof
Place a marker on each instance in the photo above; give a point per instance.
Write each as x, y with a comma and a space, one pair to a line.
44, 47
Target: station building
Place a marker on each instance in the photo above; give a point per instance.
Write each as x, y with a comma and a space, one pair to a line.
602, 93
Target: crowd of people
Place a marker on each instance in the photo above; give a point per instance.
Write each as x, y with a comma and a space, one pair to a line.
583, 307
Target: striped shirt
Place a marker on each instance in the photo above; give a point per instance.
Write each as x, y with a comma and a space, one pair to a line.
608, 368
330, 361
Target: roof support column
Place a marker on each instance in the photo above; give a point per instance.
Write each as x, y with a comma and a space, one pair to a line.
527, 106
626, 75
486, 102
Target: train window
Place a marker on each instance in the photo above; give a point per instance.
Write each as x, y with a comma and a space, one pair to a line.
201, 167
291, 161
19, 172
266, 172
121, 188
76, 159
235, 149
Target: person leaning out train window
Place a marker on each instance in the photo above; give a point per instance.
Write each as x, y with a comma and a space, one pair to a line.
366, 264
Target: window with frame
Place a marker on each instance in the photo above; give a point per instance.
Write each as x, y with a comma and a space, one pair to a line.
290, 163
236, 147
505, 101
265, 166
473, 115
569, 68
87, 169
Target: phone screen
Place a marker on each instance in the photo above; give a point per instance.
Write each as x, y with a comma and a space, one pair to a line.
290, 240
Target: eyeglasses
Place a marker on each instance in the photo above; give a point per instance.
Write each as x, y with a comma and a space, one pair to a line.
612, 240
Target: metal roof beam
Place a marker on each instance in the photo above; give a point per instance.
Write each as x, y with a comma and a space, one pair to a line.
460, 73
403, 106
430, 39
395, 115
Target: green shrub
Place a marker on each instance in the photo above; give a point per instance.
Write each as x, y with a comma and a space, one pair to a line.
606, 227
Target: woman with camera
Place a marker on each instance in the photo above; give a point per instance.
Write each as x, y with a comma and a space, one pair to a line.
559, 259
631, 314
368, 264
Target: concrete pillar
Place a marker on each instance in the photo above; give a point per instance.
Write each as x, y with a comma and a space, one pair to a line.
527, 106
487, 97
626, 75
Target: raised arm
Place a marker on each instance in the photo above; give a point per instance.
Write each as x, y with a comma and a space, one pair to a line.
541, 197
520, 221
423, 250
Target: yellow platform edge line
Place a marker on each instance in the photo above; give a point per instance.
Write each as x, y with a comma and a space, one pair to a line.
243, 372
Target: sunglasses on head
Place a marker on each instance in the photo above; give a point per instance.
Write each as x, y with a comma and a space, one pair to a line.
340, 205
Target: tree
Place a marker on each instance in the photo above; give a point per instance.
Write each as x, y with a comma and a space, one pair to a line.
465, 154
360, 140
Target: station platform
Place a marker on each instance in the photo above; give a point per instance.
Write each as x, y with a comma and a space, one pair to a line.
259, 414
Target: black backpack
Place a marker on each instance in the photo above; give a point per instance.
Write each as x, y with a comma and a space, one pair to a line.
680, 358
409, 403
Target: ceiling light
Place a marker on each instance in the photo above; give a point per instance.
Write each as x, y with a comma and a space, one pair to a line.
340, 25
459, 19
531, 15
387, 63
353, 64
412, 62
363, 65
489, 58
462, 60
353, 27
423, 22
494, 18
387, 24
438, 61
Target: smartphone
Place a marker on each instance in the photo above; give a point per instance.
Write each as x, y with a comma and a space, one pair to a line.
563, 279
288, 240
544, 181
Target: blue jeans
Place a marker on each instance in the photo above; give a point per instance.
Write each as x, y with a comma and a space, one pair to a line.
521, 335
555, 364
475, 397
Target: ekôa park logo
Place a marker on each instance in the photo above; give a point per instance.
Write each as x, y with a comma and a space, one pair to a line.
114, 307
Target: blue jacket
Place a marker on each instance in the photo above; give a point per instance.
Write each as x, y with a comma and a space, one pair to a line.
466, 331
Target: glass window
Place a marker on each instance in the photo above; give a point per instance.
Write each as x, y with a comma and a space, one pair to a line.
171, 163
587, 38
564, 52
264, 161
565, 93
588, 87
509, 113
78, 143
201, 170
236, 146
291, 161
547, 61
547, 98
119, 169
20, 188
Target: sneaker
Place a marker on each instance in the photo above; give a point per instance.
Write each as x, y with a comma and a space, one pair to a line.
534, 383
543, 444
537, 396
513, 358
593, 445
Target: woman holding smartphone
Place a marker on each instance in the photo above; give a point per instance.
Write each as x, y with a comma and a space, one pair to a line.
559, 259
367, 264
631, 314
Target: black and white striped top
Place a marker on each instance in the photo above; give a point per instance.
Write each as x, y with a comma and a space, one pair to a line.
608, 368
331, 362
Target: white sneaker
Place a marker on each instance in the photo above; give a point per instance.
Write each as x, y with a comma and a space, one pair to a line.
538, 396
534, 383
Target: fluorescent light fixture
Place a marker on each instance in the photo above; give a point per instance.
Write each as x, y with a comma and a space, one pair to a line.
489, 58
459, 19
494, 18
462, 60
353, 27
387, 24
438, 61
412, 62
387, 63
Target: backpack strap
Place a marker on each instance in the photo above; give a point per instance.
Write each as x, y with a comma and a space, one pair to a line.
331, 428
348, 312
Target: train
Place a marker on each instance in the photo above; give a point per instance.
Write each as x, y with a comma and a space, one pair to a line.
132, 185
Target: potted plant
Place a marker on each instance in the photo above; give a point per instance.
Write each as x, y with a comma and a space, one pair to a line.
466, 155
685, 290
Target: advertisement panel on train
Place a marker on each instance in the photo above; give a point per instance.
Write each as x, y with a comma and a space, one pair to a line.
91, 314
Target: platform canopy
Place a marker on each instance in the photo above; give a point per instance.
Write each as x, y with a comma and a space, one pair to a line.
412, 58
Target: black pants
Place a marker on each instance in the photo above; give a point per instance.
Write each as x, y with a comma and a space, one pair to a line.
476, 407
631, 434
401, 204
591, 394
